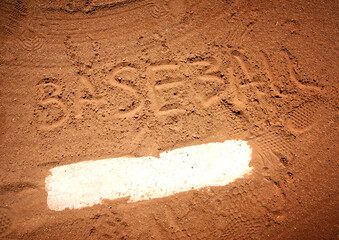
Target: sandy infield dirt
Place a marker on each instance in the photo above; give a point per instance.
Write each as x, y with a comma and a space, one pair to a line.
89, 80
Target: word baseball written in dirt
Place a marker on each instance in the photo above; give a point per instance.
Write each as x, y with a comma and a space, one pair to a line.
161, 89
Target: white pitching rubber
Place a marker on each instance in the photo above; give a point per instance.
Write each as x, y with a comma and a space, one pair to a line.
87, 183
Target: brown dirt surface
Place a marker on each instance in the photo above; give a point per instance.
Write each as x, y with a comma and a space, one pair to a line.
83, 80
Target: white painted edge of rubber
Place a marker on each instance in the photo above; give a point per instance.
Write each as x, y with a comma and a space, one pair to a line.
87, 183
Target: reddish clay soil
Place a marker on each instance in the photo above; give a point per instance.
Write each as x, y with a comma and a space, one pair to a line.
86, 80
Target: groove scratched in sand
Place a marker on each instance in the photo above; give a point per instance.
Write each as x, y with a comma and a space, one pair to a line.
88, 183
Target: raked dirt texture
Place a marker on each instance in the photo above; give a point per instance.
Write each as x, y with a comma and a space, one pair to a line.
124, 85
